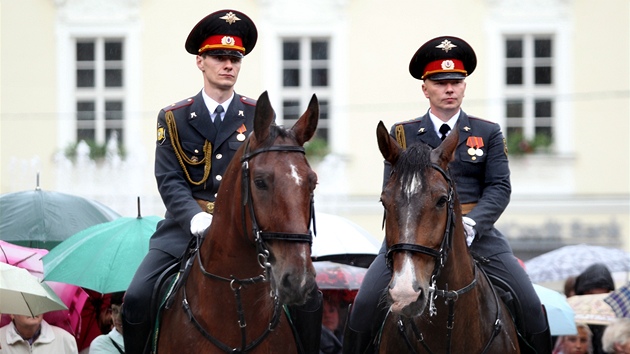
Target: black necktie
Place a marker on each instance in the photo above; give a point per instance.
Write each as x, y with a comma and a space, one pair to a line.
444, 129
217, 118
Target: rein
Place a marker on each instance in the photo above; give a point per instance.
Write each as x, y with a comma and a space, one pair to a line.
450, 296
260, 237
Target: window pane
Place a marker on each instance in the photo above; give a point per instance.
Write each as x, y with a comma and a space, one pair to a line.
85, 78
85, 51
113, 51
542, 75
542, 48
514, 76
542, 108
291, 77
319, 50
513, 48
113, 110
319, 77
86, 110
113, 78
323, 109
514, 109
290, 110
290, 50
85, 134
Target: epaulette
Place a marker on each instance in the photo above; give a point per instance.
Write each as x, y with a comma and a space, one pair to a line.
481, 119
180, 104
413, 120
248, 101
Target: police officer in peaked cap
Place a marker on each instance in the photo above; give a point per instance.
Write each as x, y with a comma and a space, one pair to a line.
482, 176
200, 132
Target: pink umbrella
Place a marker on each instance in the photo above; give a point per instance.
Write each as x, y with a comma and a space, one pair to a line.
73, 296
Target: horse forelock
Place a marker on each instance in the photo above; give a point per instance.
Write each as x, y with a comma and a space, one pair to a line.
411, 169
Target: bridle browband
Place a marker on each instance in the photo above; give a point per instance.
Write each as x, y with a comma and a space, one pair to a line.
441, 257
259, 238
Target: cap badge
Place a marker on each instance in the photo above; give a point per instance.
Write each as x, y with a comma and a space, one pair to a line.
230, 18
448, 65
227, 40
446, 45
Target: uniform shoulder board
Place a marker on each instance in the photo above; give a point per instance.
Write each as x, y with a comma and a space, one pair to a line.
248, 101
180, 104
480, 119
412, 120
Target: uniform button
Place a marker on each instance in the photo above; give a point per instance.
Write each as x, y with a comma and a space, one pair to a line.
196, 151
215, 195
219, 177
219, 156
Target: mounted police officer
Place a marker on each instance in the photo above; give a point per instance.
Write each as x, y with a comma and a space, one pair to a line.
482, 177
196, 140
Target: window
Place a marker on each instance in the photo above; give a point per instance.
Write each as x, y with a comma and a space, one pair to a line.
306, 71
99, 90
529, 83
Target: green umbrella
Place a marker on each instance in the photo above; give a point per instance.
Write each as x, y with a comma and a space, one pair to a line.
42, 219
103, 257
23, 294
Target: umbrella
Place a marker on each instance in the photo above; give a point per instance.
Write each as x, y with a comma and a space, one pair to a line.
43, 219
341, 240
103, 257
619, 300
572, 260
72, 296
338, 276
592, 309
23, 294
559, 314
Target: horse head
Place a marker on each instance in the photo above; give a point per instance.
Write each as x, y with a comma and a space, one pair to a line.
418, 199
277, 195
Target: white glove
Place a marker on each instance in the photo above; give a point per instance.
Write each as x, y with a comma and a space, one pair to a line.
200, 222
469, 229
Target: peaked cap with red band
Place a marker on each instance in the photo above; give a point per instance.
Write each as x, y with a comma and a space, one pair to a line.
225, 32
443, 58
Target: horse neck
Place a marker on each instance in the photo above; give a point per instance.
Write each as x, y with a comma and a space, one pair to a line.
459, 269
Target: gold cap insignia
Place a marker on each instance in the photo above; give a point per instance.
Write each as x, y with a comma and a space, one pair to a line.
446, 45
448, 65
227, 40
230, 18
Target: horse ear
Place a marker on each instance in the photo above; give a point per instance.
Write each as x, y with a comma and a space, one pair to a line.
387, 144
263, 117
305, 127
445, 153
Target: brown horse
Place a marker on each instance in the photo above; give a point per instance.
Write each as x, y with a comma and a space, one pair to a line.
255, 257
440, 300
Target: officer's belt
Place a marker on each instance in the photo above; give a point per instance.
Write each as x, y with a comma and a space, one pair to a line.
468, 207
206, 206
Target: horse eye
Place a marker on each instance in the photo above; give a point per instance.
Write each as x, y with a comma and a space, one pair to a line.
441, 202
260, 183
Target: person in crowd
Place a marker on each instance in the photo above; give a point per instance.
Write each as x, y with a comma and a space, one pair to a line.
96, 319
616, 338
575, 344
569, 286
196, 140
595, 279
481, 173
112, 342
332, 331
33, 335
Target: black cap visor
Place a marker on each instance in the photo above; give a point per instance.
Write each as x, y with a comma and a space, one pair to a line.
446, 76
223, 52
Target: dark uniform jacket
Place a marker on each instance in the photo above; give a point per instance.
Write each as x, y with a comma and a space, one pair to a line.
484, 179
180, 186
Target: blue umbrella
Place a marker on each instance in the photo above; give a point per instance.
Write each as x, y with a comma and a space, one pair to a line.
103, 257
559, 313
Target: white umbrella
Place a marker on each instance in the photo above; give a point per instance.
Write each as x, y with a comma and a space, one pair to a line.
571, 260
23, 294
341, 240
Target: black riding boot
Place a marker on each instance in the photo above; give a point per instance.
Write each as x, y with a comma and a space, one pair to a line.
541, 342
136, 337
307, 321
355, 342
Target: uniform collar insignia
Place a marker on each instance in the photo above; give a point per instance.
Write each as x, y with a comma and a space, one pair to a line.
193, 115
240, 113
446, 45
230, 18
421, 130
467, 128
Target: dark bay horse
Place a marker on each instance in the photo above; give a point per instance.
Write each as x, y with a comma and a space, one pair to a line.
439, 299
255, 257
